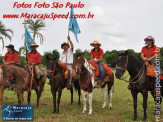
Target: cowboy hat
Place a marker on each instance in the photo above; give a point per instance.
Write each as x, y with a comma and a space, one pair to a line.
149, 38
34, 45
10, 46
95, 42
64, 43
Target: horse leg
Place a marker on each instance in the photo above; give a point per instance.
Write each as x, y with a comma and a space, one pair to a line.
58, 100
79, 94
90, 103
53, 91
22, 100
19, 94
71, 90
134, 95
29, 97
104, 92
110, 92
38, 95
145, 97
1, 95
84, 101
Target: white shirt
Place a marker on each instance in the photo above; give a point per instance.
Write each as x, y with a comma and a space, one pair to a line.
69, 54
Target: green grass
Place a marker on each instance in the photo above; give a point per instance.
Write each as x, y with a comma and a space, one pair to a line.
122, 109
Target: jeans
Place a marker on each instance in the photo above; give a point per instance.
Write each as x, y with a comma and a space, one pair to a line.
69, 66
101, 70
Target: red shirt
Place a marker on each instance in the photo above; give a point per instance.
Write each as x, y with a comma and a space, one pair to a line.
34, 57
161, 76
151, 51
97, 54
11, 57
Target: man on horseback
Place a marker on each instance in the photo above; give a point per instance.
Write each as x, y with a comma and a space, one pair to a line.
96, 56
34, 58
66, 59
10, 57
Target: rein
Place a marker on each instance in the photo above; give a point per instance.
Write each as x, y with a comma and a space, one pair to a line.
52, 73
125, 69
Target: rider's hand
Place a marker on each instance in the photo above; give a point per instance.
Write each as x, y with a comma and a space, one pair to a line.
144, 58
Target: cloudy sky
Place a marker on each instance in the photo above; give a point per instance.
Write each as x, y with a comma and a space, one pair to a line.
117, 24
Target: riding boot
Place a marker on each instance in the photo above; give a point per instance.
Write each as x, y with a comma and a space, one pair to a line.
99, 84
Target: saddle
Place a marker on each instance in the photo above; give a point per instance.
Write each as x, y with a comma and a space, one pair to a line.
30, 67
107, 70
74, 76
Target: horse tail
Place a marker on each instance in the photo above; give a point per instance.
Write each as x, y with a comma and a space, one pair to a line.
76, 85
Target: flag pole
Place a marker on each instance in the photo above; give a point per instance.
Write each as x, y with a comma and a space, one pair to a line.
25, 39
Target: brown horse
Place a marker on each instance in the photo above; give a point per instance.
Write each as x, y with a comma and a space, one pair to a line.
23, 81
87, 82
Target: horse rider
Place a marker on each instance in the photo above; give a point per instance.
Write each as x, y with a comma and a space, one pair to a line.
10, 57
34, 58
149, 51
66, 57
96, 56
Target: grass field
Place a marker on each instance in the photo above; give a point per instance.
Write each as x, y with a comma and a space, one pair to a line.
121, 111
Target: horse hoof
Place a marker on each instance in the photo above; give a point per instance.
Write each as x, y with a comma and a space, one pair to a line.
90, 114
145, 118
134, 119
84, 112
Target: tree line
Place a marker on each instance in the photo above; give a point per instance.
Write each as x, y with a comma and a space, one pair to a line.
110, 57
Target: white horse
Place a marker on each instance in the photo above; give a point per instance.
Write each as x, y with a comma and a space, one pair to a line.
87, 82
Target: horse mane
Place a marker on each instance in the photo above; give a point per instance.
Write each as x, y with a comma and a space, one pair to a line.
135, 61
78, 54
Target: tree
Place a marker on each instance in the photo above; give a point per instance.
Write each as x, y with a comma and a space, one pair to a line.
4, 33
35, 27
52, 55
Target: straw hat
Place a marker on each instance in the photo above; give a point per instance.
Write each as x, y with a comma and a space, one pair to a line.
64, 43
95, 42
34, 45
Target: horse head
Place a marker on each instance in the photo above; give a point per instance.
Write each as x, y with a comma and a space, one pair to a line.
122, 62
79, 61
51, 64
5, 72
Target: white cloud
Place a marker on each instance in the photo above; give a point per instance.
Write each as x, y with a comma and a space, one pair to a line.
117, 24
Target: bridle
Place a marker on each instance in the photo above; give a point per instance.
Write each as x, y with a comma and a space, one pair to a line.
125, 69
52, 72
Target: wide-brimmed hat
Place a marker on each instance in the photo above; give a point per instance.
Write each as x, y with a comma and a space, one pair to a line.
64, 43
10, 46
34, 45
149, 38
95, 42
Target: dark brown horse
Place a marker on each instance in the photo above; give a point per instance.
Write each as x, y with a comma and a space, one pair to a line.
58, 82
23, 81
139, 81
87, 82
